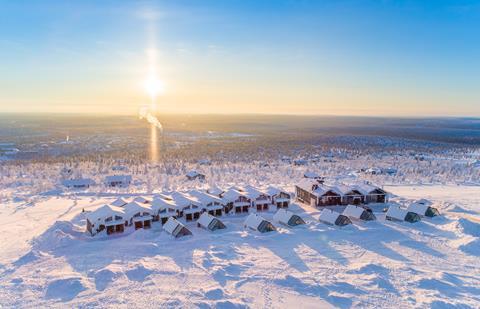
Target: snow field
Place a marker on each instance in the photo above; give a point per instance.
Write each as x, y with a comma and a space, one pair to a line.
46, 259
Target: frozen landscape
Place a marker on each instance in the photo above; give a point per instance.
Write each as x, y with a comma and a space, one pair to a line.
48, 259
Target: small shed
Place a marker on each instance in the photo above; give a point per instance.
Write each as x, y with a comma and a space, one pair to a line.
119, 202
396, 213
79, 183
423, 208
210, 223
358, 213
193, 175
331, 217
175, 228
118, 180
257, 223
287, 218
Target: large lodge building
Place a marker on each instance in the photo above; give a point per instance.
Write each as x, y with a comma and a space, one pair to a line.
315, 193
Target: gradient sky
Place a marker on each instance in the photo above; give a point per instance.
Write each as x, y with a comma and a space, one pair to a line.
407, 58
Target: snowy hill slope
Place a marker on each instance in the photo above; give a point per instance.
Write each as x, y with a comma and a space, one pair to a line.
46, 259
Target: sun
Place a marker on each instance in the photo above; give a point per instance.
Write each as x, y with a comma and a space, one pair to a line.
154, 86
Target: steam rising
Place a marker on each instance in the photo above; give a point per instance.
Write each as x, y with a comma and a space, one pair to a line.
145, 113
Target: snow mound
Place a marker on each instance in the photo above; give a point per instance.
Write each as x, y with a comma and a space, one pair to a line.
139, 273
28, 258
60, 234
104, 277
469, 227
214, 294
472, 248
64, 289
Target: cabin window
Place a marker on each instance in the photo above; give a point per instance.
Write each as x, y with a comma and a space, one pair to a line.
412, 217
432, 212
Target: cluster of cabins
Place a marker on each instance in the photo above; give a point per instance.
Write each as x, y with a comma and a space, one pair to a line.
190, 205
206, 208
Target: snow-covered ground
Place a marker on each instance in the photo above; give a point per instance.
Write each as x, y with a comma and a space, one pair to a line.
47, 259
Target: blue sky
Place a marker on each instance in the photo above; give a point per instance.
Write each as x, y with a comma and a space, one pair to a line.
303, 57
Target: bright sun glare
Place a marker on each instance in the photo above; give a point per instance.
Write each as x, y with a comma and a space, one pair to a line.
154, 86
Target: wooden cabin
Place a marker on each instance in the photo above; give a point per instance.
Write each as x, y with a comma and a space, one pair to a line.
373, 194
107, 217
350, 195
211, 204
163, 209
260, 201
236, 201
141, 215
279, 198
186, 206
312, 192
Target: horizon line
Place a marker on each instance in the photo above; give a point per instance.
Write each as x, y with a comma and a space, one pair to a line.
241, 114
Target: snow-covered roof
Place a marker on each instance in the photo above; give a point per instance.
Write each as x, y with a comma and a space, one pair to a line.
193, 173
119, 202
311, 175
215, 190
282, 216
205, 219
118, 178
133, 207
253, 193
78, 182
343, 189
204, 198
231, 195
328, 216
272, 191
159, 204
396, 212
418, 208
307, 184
181, 200
253, 221
103, 212
320, 189
141, 200
175, 228
353, 211
171, 225
366, 189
